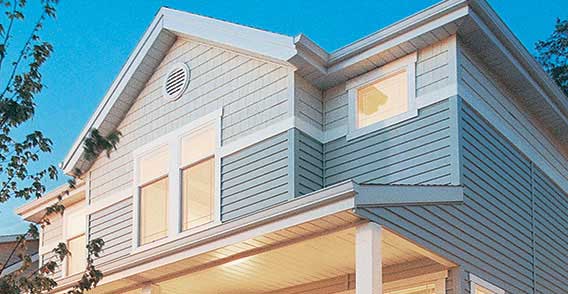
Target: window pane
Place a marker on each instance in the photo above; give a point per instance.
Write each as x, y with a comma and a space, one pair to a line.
77, 261
198, 189
154, 165
198, 146
153, 211
383, 99
74, 221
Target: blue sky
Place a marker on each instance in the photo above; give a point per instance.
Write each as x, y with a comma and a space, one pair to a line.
92, 40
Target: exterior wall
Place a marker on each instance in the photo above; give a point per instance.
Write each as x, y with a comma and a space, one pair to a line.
490, 234
50, 256
252, 93
550, 235
53, 233
309, 164
308, 102
417, 151
480, 88
254, 178
114, 225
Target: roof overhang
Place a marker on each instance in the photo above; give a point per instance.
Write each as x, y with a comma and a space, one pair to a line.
325, 69
34, 211
333, 208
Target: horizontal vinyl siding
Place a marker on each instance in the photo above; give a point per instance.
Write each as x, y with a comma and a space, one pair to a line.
432, 73
53, 233
551, 235
255, 178
252, 93
50, 256
490, 234
416, 151
114, 226
309, 164
477, 84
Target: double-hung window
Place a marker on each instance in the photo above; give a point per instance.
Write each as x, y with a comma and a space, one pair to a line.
176, 183
153, 186
74, 218
382, 97
198, 177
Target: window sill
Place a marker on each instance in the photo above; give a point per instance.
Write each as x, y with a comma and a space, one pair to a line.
354, 133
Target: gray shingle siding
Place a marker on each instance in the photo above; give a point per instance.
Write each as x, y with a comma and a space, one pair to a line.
114, 225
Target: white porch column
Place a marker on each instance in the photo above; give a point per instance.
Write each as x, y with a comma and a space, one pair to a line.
368, 262
150, 289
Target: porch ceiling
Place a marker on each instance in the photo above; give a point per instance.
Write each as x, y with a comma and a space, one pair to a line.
316, 251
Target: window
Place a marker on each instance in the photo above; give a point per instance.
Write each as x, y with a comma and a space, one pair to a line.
198, 178
382, 97
177, 184
153, 192
479, 286
75, 237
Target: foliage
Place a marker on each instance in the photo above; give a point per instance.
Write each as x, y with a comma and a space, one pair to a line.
20, 82
553, 54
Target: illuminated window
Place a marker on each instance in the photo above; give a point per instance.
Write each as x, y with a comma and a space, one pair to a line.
176, 184
382, 97
198, 178
153, 192
75, 236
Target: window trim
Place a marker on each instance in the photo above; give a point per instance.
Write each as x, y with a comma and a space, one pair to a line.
407, 63
173, 141
77, 207
478, 283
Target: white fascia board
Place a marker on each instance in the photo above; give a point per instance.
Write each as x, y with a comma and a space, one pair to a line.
257, 41
401, 35
488, 20
440, 10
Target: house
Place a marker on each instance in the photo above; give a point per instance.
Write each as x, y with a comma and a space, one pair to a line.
428, 157
10, 253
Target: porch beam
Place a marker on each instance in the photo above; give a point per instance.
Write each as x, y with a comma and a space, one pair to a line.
368, 259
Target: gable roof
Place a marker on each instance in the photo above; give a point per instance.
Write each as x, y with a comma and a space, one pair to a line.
471, 19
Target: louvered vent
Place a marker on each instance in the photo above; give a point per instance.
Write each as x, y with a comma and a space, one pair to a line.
176, 81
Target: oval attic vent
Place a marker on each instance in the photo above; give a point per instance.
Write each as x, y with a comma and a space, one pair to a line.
176, 81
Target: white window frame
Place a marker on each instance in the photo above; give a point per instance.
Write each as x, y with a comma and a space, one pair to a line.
477, 283
407, 63
80, 208
173, 141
